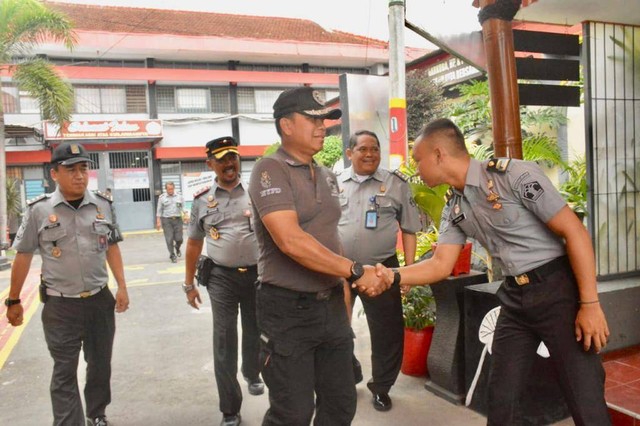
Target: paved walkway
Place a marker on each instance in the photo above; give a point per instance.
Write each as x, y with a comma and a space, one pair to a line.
162, 363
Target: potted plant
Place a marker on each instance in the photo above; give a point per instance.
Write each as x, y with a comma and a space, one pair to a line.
419, 313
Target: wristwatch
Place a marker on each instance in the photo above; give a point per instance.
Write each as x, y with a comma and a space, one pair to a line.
188, 287
10, 302
357, 271
396, 276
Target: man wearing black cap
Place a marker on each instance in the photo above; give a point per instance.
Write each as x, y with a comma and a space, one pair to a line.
221, 214
306, 340
76, 233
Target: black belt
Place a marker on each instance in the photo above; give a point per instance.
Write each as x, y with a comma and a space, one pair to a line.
241, 269
294, 294
539, 274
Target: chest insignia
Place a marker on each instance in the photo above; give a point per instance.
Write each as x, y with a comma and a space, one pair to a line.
213, 233
53, 218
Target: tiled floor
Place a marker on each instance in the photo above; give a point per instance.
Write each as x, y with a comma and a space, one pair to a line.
622, 387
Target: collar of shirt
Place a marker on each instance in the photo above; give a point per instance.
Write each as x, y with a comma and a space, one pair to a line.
474, 173
215, 186
349, 173
57, 198
284, 155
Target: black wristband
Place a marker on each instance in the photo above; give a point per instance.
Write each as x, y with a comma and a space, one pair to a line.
10, 302
396, 276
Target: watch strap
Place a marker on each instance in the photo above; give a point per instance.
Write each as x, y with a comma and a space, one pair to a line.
10, 302
396, 276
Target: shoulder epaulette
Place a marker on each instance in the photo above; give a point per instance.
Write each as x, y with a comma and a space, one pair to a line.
107, 197
448, 195
202, 191
498, 165
38, 199
401, 175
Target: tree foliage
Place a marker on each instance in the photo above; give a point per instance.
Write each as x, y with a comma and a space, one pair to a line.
424, 100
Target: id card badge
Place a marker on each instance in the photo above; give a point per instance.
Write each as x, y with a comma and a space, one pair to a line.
371, 219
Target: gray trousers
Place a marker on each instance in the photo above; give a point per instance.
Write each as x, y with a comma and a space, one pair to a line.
172, 229
69, 325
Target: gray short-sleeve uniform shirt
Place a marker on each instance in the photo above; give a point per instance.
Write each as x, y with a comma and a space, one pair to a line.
169, 205
514, 232
390, 197
227, 216
280, 182
80, 238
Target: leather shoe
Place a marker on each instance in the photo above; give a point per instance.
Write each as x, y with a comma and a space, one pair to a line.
178, 252
381, 401
233, 420
256, 386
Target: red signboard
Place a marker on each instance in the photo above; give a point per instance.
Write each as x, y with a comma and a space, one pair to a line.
106, 129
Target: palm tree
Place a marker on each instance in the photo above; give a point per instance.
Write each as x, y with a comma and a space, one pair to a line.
23, 25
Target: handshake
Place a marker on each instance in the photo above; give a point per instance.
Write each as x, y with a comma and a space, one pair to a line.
376, 279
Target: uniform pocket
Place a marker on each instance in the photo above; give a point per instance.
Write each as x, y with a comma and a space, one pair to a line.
53, 234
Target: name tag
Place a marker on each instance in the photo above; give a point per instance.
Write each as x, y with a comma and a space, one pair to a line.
459, 219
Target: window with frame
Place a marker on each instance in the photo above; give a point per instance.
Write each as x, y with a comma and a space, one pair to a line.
110, 99
16, 101
193, 99
254, 100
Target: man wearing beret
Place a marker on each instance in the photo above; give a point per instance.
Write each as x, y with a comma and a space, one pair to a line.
306, 341
76, 233
222, 215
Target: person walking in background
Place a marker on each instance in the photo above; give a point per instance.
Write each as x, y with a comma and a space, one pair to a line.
222, 215
306, 340
77, 235
549, 293
376, 204
169, 217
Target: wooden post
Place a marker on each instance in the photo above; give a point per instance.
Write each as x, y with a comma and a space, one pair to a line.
501, 70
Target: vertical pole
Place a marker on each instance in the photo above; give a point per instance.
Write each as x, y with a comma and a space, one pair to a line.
503, 82
397, 90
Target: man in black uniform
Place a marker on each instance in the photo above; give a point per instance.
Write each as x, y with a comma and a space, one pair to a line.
306, 340
222, 215
76, 234
549, 292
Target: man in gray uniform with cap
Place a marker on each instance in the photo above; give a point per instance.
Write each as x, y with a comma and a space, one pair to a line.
222, 215
306, 340
169, 217
76, 234
375, 205
549, 292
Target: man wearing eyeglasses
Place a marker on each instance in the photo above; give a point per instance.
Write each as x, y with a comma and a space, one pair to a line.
376, 204
221, 214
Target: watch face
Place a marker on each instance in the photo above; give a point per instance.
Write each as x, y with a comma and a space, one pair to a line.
357, 269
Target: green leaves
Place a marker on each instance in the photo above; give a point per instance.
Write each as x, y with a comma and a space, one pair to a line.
419, 308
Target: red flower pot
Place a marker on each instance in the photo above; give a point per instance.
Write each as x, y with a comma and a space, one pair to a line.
416, 349
463, 264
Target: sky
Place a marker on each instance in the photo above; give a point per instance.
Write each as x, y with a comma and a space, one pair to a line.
363, 17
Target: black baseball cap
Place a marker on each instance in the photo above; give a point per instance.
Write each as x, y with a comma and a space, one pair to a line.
67, 154
220, 147
304, 100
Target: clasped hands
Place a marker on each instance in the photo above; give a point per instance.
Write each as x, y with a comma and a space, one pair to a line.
376, 280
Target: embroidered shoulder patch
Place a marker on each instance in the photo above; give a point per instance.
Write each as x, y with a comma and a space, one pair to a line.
38, 199
499, 165
401, 175
532, 190
201, 192
107, 197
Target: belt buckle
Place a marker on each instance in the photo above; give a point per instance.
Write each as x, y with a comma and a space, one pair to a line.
522, 279
242, 270
85, 294
323, 295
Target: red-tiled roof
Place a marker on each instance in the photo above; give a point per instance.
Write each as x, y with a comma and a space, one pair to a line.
162, 21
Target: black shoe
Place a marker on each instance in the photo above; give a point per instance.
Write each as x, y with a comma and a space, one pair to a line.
178, 252
231, 420
381, 401
173, 258
98, 421
256, 386
357, 370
